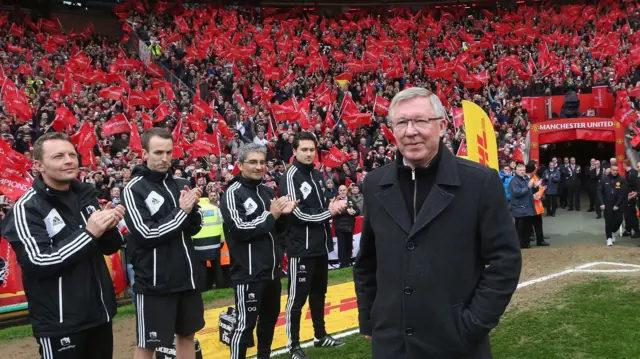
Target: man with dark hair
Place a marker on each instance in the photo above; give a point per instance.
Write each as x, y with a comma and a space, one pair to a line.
60, 237
308, 243
252, 223
162, 215
612, 193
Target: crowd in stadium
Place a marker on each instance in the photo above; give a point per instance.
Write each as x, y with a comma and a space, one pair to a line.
239, 75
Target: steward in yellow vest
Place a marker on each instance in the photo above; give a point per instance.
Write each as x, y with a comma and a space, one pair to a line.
207, 243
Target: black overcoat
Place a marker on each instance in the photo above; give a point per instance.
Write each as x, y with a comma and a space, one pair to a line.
436, 288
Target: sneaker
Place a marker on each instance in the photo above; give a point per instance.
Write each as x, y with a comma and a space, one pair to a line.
609, 242
327, 341
298, 353
613, 238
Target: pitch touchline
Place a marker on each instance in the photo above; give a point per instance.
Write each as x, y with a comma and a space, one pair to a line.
582, 268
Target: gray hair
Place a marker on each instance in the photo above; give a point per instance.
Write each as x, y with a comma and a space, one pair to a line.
248, 148
413, 92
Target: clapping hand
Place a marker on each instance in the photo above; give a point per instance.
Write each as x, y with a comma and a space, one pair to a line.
188, 198
288, 204
101, 221
336, 206
116, 212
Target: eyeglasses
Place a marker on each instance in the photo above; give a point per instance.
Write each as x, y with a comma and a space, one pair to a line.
256, 162
420, 123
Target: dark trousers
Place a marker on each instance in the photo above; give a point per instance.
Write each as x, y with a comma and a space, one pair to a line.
630, 216
593, 197
307, 277
564, 193
536, 222
345, 247
612, 221
524, 226
92, 343
260, 299
211, 275
552, 204
573, 197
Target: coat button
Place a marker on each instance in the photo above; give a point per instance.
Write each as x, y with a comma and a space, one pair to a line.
408, 331
411, 246
408, 290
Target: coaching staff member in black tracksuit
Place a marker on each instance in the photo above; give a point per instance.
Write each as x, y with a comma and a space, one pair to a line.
308, 243
612, 194
439, 256
60, 238
162, 215
252, 223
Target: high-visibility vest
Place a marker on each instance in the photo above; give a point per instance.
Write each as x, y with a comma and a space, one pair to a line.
538, 202
207, 241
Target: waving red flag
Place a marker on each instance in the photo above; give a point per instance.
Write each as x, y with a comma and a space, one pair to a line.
135, 143
334, 158
117, 124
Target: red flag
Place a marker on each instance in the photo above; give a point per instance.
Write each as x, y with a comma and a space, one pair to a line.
601, 97
64, 118
13, 276
462, 149
236, 169
388, 134
161, 112
112, 93
117, 124
334, 158
283, 113
381, 106
135, 143
458, 117
13, 185
535, 108
625, 114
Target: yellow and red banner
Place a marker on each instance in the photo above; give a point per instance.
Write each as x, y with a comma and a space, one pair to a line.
480, 136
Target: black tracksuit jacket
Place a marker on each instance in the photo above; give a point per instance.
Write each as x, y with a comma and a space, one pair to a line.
309, 232
251, 232
160, 244
64, 273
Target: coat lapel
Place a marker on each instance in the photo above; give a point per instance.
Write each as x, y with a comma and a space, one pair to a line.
392, 200
438, 198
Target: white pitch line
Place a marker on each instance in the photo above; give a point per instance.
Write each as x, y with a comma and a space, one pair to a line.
578, 269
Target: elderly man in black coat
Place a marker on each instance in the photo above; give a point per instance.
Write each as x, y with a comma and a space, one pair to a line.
439, 255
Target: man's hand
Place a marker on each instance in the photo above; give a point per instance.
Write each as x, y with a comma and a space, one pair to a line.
188, 199
602, 206
287, 204
99, 222
276, 207
196, 191
615, 208
116, 213
367, 337
336, 206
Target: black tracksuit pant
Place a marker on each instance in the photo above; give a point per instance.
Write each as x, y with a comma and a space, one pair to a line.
252, 300
96, 342
307, 277
612, 221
